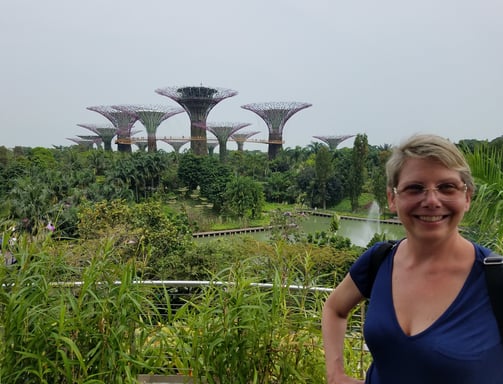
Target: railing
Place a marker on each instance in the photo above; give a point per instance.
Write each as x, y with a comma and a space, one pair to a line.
193, 283
181, 291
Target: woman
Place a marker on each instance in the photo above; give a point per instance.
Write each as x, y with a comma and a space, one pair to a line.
429, 319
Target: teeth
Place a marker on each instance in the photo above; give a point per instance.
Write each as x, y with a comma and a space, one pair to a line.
431, 218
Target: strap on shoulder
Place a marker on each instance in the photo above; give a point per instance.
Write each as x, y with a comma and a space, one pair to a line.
493, 266
378, 257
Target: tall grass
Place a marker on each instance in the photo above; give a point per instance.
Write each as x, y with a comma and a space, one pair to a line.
239, 332
104, 332
57, 334
244, 334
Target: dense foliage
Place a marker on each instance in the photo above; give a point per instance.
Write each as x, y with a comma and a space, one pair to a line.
109, 327
70, 215
41, 185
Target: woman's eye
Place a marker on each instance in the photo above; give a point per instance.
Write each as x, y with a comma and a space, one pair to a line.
413, 189
447, 188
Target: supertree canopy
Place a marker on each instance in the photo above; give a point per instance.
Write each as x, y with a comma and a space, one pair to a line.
241, 137
333, 141
222, 132
123, 121
275, 115
176, 143
106, 133
95, 139
197, 101
211, 146
151, 116
88, 144
141, 144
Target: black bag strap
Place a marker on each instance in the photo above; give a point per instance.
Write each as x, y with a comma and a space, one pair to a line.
493, 266
378, 257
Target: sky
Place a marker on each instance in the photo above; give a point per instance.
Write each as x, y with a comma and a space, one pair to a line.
387, 68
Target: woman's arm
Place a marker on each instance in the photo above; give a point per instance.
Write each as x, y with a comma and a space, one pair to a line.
333, 324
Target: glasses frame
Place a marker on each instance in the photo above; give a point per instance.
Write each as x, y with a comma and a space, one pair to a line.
420, 196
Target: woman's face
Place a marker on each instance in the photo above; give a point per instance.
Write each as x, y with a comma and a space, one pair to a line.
432, 214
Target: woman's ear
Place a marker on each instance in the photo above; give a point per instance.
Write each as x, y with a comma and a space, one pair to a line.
468, 200
391, 200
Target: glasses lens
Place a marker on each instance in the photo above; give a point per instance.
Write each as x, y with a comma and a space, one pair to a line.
449, 191
444, 192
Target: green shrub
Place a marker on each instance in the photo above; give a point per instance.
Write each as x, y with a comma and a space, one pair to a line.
145, 232
65, 333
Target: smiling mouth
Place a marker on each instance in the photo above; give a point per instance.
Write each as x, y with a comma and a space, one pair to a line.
431, 219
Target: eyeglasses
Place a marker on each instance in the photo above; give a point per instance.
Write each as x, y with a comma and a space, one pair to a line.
444, 192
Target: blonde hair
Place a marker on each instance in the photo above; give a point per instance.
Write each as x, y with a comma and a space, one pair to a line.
427, 146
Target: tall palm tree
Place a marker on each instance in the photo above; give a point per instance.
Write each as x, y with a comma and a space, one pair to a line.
485, 218
30, 202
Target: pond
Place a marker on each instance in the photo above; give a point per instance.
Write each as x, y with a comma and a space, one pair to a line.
359, 231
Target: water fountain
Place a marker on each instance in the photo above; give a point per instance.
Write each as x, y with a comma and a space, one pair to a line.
374, 218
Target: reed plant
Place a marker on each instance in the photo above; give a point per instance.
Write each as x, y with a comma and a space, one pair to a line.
240, 332
54, 331
110, 328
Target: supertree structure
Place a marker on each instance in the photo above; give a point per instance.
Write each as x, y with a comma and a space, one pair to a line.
151, 116
241, 137
95, 139
275, 115
333, 141
197, 101
211, 146
176, 143
134, 132
87, 144
222, 132
106, 133
122, 121
141, 144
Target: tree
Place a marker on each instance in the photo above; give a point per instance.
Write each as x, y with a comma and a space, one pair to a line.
306, 184
314, 147
30, 202
140, 171
357, 174
484, 218
249, 163
281, 163
343, 158
43, 158
244, 198
189, 170
324, 170
378, 179
277, 187
207, 173
143, 231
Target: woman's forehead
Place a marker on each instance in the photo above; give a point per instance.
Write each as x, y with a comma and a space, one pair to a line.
426, 168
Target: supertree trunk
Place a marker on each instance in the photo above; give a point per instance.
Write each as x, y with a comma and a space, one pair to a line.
241, 137
275, 144
151, 117
275, 115
197, 101
223, 131
333, 141
122, 121
106, 133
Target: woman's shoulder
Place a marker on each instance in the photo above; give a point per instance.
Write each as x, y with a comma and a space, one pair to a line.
481, 252
364, 269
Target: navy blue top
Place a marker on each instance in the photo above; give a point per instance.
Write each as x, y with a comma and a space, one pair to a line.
461, 347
